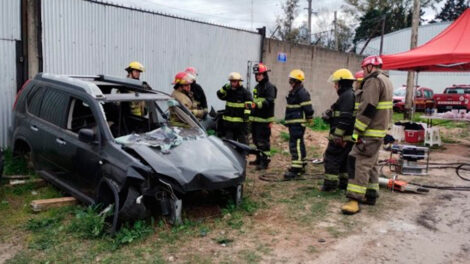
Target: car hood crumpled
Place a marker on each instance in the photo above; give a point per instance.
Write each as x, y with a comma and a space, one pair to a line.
196, 163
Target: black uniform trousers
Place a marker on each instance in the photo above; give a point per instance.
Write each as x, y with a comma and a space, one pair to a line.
261, 133
297, 145
335, 160
236, 131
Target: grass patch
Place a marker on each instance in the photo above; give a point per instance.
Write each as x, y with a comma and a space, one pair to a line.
284, 136
15, 165
319, 125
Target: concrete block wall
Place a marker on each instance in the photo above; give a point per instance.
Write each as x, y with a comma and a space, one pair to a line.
317, 63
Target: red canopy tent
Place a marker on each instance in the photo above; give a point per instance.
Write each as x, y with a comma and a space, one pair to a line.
448, 51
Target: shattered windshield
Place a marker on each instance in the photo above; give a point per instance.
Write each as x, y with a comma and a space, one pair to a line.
162, 124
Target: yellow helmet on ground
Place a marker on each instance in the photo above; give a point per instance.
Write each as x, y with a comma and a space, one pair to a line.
235, 76
297, 75
341, 74
135, 65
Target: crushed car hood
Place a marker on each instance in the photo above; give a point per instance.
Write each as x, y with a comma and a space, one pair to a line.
195, 163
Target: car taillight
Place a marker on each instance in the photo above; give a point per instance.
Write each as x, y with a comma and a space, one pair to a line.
19, 93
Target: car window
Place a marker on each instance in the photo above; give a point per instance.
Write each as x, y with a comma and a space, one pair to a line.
34, 100
399, 92
419, 94
80, 116
428, 94
54, 106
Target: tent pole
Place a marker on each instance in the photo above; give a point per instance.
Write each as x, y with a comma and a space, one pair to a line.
413, 108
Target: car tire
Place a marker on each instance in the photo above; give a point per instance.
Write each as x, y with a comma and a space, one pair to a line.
131, 209
237, 194
175, 214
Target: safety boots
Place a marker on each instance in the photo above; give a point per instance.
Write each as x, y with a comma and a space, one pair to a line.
351, 207
329, 185
263, 163
292, 173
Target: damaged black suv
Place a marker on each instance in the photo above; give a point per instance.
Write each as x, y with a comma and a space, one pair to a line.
113, 141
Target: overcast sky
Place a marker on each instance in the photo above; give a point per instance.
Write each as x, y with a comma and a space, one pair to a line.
247, 14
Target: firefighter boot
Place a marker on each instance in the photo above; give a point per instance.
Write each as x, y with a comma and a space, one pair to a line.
263, 163
371, 197
292, 173
350, 207
256, 161
329, 185
343, 183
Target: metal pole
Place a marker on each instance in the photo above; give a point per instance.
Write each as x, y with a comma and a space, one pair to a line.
336, 32
382, 35
309, 21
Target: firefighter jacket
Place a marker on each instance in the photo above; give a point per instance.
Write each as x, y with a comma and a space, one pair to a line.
199, 97
264, 95
238, 103
375, 104
185, 100
299, 107
342, 117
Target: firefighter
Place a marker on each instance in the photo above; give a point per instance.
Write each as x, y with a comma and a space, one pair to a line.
372, 121
134, 69
182, 89
198, 95
262, 115
237, 108
341, 120
359, 76
299, 112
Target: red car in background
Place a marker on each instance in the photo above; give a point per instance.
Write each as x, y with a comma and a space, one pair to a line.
423, 99
454, 97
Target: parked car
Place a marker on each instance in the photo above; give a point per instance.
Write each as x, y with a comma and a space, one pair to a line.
454, 97
423, 99
82, 136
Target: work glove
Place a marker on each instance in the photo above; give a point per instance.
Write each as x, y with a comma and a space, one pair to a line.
339, 141
226, 86
326, 115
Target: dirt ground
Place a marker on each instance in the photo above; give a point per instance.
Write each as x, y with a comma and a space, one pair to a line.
296, 223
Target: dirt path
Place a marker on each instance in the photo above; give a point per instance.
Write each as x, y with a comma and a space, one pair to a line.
431, 228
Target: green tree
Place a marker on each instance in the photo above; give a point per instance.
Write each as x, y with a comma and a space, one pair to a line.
285, 23
452, 10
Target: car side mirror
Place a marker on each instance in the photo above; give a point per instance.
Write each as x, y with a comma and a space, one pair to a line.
87, 135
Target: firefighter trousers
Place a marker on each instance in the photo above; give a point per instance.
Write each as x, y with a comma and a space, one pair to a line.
261, 133
235, 131
297, 146
335, 161
363, 173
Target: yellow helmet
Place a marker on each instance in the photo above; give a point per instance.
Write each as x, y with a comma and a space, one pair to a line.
297, 74
135, 65
341, 74
235, 76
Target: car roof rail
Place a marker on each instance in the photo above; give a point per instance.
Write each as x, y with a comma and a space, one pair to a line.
130, 84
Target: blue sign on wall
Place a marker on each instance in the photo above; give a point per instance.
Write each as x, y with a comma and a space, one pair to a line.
282, 57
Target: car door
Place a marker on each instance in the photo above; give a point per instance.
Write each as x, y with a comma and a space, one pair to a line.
82, 159
34, 133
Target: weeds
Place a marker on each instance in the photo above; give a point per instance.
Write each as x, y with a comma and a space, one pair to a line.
284, 136
127, 235
15, 165
88, 223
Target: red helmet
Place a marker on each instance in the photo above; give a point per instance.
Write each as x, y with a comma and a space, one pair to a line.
359, 76
260, 68
191, 70
182, 78
372, 60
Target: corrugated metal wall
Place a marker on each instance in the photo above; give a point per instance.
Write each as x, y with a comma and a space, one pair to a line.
399, 41
84, 37
9, 33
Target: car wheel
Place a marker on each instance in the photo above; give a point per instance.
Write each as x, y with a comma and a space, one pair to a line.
132, 206
176, 206
237, 194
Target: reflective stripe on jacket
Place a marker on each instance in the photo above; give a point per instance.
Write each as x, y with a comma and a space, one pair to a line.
238, 103
299, 107
375, 107
264, 95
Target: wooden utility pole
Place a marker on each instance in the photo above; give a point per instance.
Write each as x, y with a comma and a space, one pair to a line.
336, 31
410, 86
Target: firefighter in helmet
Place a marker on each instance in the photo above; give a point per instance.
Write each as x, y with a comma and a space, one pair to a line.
182, 89
237, 108
198, 95
299, 112
262, 115
341, 120
359, 76
375, 104
134, 69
